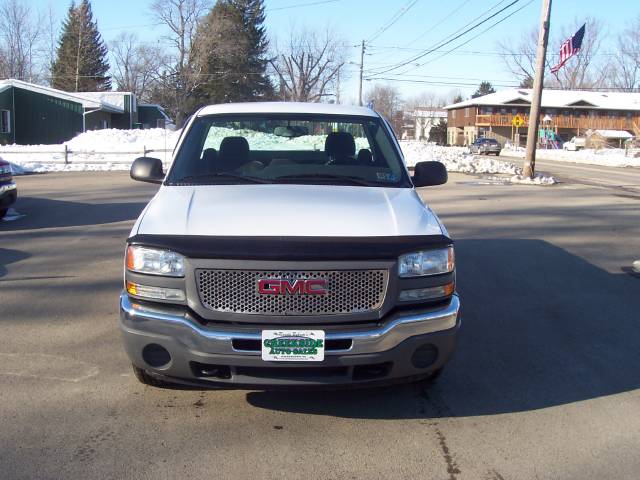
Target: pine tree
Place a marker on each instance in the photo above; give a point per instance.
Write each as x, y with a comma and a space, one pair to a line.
230, 53
485, 88
81, 64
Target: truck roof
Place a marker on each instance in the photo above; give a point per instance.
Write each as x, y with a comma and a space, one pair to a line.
286, 107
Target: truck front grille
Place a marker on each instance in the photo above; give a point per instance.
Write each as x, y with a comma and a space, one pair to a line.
347, 292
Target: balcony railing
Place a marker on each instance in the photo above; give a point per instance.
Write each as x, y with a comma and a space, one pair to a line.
562, 121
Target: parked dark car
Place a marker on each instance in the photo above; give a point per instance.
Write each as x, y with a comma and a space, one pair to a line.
485, 146
8, 190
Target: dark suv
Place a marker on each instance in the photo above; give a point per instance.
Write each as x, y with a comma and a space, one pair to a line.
8, 190
485, 146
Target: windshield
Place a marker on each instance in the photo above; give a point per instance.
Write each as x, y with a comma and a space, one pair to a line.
313, 149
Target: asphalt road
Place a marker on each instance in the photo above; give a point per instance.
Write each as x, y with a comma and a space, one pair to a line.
626, 180
544, 384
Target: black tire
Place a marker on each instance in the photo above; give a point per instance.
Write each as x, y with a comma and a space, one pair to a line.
144, 377
3, 212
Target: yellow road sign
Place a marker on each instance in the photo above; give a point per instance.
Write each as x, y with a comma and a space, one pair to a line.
517, 121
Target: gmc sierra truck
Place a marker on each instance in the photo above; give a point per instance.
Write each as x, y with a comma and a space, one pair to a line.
287, 246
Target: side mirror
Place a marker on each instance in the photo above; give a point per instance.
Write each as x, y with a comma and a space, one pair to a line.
147, 169
427, 174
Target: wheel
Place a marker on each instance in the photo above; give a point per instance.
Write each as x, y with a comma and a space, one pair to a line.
3, 212
144, 377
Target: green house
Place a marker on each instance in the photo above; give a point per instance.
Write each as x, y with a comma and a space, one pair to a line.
153, 116
33, 114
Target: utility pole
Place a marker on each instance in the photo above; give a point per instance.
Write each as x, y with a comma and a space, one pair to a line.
534, 114
361, 69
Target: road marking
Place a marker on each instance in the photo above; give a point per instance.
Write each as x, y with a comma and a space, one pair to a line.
46, 367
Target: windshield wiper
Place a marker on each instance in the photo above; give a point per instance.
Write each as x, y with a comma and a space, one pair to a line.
213, 176
322, 176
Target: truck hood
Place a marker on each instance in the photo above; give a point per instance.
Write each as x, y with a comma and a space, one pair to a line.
288, 211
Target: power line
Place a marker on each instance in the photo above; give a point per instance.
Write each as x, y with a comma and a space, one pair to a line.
449, 15
393, 20
299, 5
471, 39
446, 42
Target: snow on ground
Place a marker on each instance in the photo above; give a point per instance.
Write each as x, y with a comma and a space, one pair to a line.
458, 159
609, 157
112, 149
109, 149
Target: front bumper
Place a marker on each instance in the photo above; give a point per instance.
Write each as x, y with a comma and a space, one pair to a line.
8, 194
230, 355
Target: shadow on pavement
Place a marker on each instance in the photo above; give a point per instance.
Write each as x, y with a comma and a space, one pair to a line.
8, 256
46, 213
541, 328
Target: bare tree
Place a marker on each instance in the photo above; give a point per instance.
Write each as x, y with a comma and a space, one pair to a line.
180, 78
424, 100
386, 100
626, 64
136, 66
308, 69
520, 57
20, 41
584, 70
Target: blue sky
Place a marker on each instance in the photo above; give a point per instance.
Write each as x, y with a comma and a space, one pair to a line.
423, 25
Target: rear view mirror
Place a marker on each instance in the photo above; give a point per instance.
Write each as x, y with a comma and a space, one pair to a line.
147, 169
427, 174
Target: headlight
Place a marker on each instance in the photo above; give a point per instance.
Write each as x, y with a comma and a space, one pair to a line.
428, 262
153, 261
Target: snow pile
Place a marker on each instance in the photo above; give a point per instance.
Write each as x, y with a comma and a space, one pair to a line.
102, 150
124, 140
608, 157
536, 180
456, 159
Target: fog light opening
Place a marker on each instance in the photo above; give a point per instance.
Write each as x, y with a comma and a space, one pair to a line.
429, 293
156, 356
425, 356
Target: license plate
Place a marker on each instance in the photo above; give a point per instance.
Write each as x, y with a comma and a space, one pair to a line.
293, 345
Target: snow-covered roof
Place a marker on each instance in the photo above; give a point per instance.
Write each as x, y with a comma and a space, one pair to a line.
558, 99
112, 99
614, 134
286, 107
88, 100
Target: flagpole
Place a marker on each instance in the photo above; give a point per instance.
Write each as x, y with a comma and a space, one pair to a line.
534, 114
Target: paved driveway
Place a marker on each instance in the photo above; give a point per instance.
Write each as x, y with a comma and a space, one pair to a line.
544, 383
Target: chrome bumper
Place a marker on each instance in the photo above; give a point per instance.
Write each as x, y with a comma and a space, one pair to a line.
174, 324
6, 187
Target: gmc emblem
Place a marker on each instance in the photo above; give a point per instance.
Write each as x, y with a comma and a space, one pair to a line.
276, 286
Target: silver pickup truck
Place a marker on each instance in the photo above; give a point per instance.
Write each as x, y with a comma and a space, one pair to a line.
287, 246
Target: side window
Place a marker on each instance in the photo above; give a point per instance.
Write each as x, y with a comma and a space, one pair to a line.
5, 121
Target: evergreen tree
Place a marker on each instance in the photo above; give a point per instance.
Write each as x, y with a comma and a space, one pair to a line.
485, 88
458, 98
230, 53
81, 64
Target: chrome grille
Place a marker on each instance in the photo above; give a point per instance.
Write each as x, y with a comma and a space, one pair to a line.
236, 291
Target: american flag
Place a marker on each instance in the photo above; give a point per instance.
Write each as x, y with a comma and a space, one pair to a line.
569, 48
